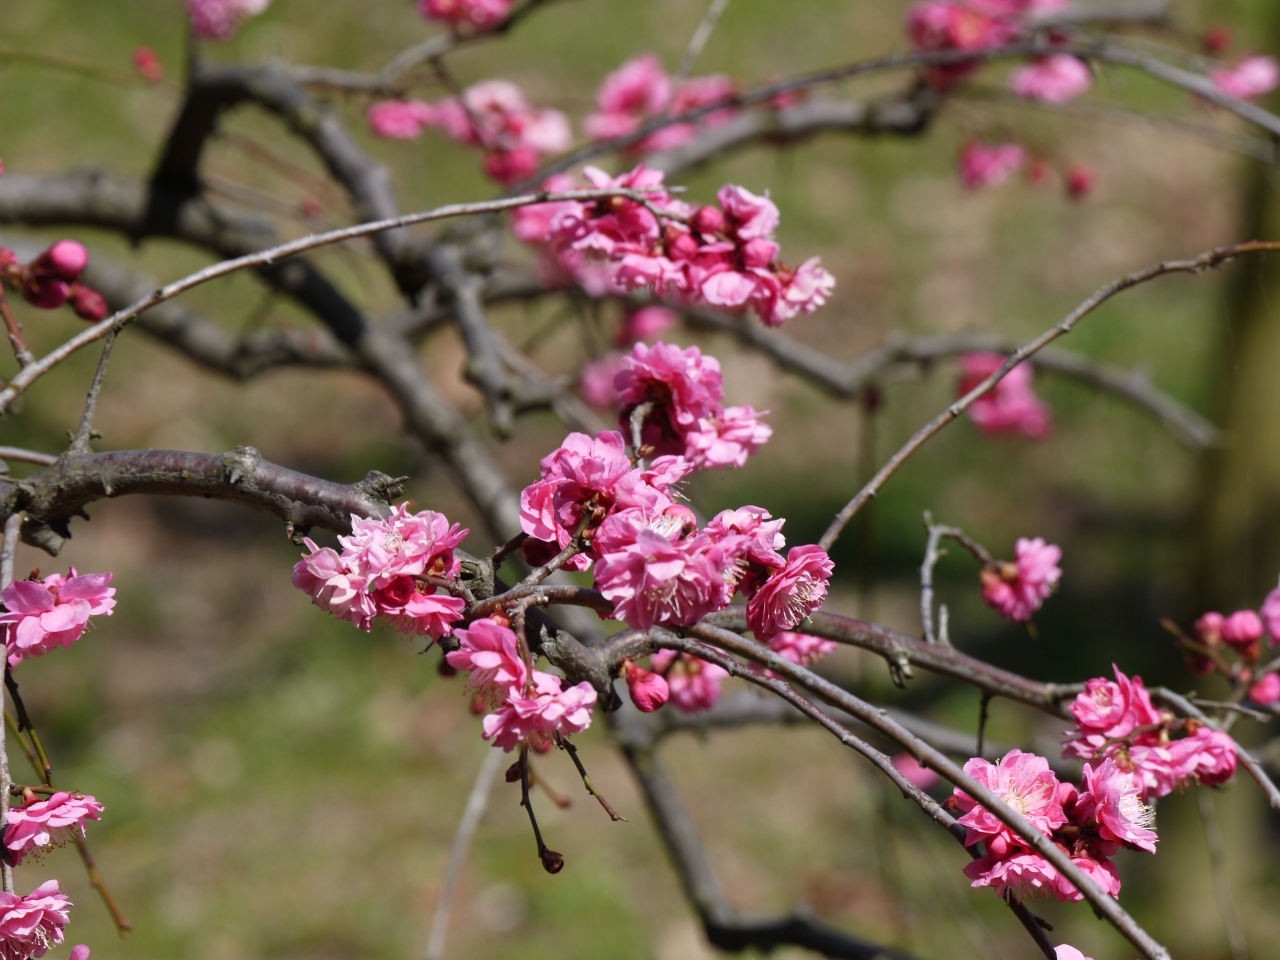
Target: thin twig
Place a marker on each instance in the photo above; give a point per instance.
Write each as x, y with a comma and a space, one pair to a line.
697, 43
477, 801
85, 433
932, 554
27, 456
1197, 264
1218, 869
568, 747
20, 350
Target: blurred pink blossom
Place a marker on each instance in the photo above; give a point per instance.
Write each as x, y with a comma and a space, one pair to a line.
984, 165
1251, 77
479, 14
1053, 79
694, 684
644, 324
1011, 406
1267, 690
400, 119
220, 19
1242, 629
913, 770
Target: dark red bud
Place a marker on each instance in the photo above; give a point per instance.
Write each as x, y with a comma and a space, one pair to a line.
552, 862
537, 552
88, 303
45, 293
513, 773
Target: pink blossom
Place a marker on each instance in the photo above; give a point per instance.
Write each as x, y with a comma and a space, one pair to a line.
651, 579
66, 258
148, 64
728, 439
638, 89
1018, 589
536, 716
1111, 711
914, 771
1267, 690
50, 822
1113, 798
403, 603
1242, 629
649, 691
595, 382
694, 684
89, 305
1025, 782
220, 19
951, 25
1153, 764
1251, 77
1080, 182
747, 215
333, 587
1010, 406
400, 119
801, 648
683, 385
478, 14
54, 612
30, 925
1102, 872
800, 291
1027, 875
492, 653
532, 223
644, 324
1065, 951
1207, 756
79, 952
983, 165
1054, 79
402, 544
791, 592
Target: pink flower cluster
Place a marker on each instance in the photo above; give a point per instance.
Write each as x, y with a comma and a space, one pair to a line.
1117, 721
638, 325
720, 256
41, 615
30, 925
640, 90
683, 389
969, 25
1089, 825
1018, 589
388, 569
52, 279
1251, 77
694, 684
476, 14
1010, 406
494, 115
51, 822
220, 19
1218, 639
528, 706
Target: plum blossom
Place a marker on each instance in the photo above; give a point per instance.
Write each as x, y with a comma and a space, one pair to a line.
790, 593
333, 587
535, 716
639, 90
49, 822
1113, 798
1010, 406
1054, 79
220, 19
491, 652
30, 925
400, 119
1242, 629
1065, 951
41, 615
983, 165
148, 64
1251, 77
727, 440
1207, 756
694, 684
651, 578
648, 690
595, 381
801, 648
1080, 182
682, 385
477, 14
914, 771
1023, 781
644, 324
1267, 690
1017, 590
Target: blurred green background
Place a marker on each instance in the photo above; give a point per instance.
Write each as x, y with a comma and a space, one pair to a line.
279, 785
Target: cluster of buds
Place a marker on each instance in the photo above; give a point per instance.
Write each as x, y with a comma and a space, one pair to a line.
52, 279
1233, 645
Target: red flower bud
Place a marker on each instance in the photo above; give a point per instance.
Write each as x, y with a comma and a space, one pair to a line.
88, 303
67, 258
649, 691
707, 220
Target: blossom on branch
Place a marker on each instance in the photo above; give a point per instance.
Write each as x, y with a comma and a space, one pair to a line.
1251, 77
1022, 780
400, 119
220, 19
50, 822
477, 14
983, 165
535, 714
694, 684
41, 615
30, 925
1113, 798
1054, 79
790, 593
491, 652
1017, 590
648, 690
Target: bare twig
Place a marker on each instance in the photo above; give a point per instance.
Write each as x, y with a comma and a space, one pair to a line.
932, 554
697, 43
80, 444
27, 456
1218, 869
1197, 264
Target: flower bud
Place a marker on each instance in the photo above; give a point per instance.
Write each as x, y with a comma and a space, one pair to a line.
552, 862
1267, 690
88, 303
47, 294
682, 247
649, 691
537, 552
1242, 629
707, 220
1080, 182
148, 65
759, 252
67, 258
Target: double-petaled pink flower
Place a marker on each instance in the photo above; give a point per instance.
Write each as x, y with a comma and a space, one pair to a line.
640, 90
30, 925
477, 14
791, 592
1054, 79
681, 387
1017, 590
220, 19
1113, 798
1010, 406
50, 822
1023, 781
694, 684
41, 615
536, 715
491, 652
1251, 77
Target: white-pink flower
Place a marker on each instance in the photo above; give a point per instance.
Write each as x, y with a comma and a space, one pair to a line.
535, 716
694, 684
1018, 589
1113, 798
42, 615
1054, 79
49, 822
30, 925
790, 593
491, 652
983, 165
1251, 77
